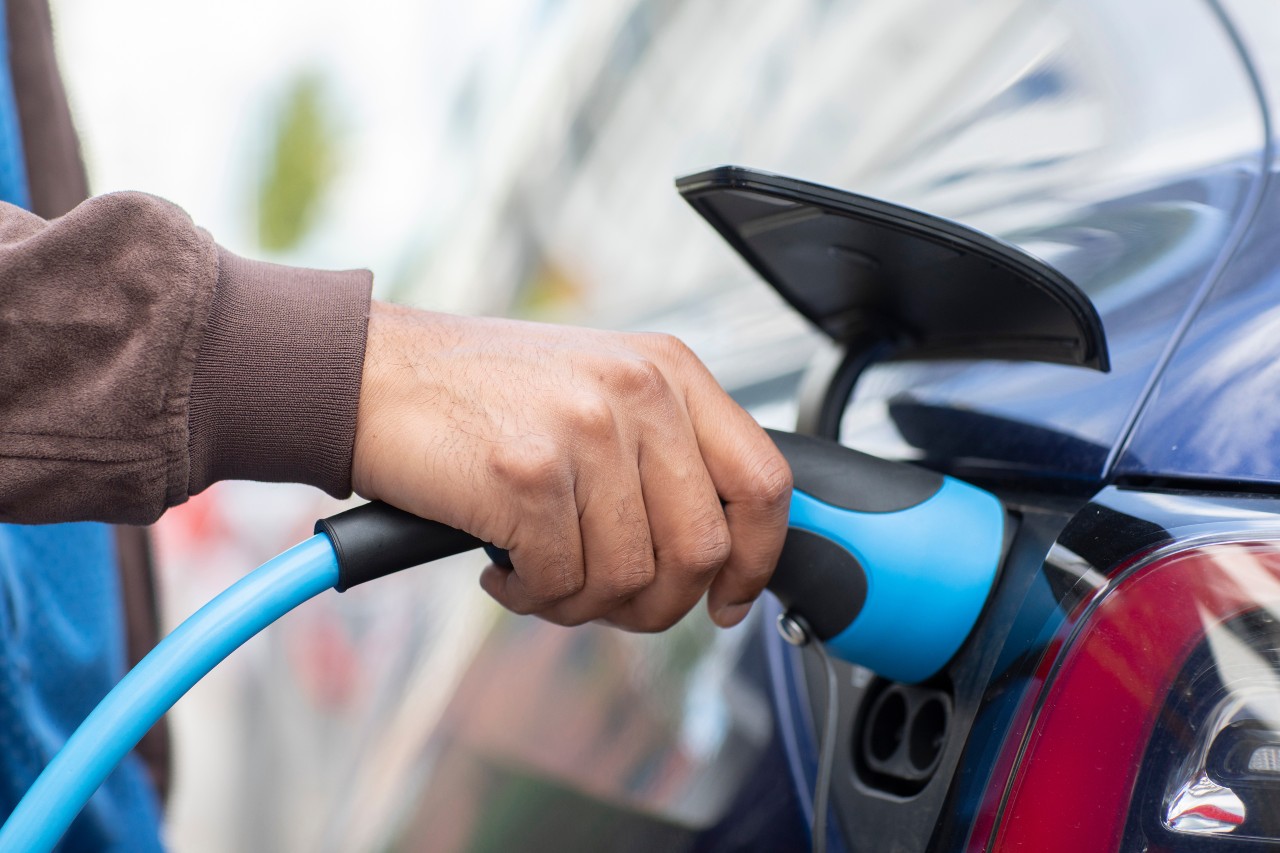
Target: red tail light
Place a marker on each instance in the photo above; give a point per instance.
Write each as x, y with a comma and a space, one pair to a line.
1179, 650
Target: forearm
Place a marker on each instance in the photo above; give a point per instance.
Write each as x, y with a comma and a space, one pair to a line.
140, 362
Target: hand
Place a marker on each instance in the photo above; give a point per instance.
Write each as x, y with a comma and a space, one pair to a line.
598, 459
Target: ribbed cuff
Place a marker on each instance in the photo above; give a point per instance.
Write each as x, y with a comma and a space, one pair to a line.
277, 378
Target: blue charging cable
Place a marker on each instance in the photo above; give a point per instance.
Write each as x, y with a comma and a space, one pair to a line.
152, 687
876, 550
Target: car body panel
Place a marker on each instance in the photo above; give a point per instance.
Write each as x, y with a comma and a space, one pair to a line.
1077, 134
593, 739
1214, 415
1020, 427
1144, 252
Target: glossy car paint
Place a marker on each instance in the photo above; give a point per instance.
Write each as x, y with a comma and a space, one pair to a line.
1087, 138
1144, 248
958, 429
1215, 414
1013, 425
592, 739
1207, 420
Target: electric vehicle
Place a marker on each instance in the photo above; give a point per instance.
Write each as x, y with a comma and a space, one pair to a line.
1042, 263
1121, 691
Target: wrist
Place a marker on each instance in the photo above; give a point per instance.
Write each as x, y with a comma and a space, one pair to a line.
401, 373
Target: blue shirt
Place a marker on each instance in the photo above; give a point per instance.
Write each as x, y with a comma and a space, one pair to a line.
61, 624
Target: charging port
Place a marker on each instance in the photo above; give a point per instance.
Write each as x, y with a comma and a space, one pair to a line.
899, 737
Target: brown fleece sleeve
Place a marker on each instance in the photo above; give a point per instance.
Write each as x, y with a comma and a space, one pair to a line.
139, 362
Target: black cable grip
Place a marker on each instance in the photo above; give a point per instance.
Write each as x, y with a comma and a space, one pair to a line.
376, 539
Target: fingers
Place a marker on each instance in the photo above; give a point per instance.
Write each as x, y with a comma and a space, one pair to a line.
601, 521
616, 545
690, 536
546, 546
754, 481
617, 513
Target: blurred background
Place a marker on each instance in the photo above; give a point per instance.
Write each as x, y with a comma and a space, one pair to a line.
516, 157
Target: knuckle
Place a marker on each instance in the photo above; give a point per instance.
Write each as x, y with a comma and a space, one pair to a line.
629, 579
560, 584
707, 550
679, 350
629, 568
554, 577
772, 480
593, 416
640, 377
528, 465
670, 345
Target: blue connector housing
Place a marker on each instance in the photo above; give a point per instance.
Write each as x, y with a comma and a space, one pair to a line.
930, 569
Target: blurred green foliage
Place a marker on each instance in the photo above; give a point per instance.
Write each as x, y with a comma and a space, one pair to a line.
549, 292
301, 164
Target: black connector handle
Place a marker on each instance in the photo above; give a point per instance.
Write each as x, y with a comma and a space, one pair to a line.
853, 480
376, 539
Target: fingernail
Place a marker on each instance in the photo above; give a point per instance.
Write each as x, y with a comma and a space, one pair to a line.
732, 614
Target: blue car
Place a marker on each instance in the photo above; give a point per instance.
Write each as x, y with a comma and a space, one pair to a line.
1066, 290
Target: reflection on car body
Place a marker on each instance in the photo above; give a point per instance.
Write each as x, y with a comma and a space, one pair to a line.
1126, 145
